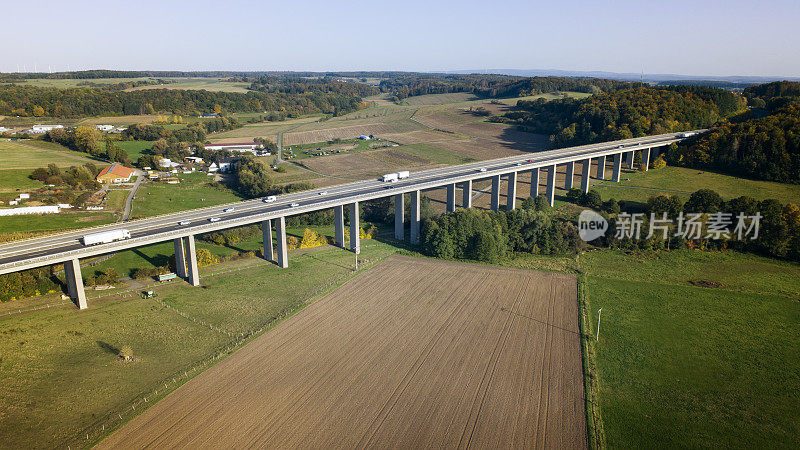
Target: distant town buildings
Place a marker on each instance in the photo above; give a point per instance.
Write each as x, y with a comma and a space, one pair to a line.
110, 128
115, 173
42, 129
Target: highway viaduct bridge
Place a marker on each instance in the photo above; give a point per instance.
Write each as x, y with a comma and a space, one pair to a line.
67, 248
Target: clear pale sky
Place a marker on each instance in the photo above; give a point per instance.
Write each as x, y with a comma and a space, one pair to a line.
692, 37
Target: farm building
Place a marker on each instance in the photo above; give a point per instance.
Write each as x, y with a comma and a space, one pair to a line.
4, 129
234, 147
42, 129
224, 165
28, 210
115, 173
105, 127
365, 137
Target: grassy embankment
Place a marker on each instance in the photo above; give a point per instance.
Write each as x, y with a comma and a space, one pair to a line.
192, 192
680, 181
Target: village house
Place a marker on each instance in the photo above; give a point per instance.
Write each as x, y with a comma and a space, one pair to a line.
115, 173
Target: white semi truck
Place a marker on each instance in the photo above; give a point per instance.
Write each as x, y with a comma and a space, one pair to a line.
106, 236
392, 177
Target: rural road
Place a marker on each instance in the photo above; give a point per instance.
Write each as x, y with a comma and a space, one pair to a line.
129, 201
280, 138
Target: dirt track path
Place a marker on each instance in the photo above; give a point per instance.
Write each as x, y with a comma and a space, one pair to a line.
413, 353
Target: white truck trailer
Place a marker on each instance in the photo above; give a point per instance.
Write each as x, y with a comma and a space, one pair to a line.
106, 236
392, 177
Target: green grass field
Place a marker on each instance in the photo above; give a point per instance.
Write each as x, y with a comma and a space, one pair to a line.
61, 375
54, 222
134, 149
67, 83
686, 366
639, 186
207, 84
12, 180
115, 199
32, 154
154, 199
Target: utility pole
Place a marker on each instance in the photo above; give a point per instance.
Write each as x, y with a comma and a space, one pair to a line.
356, 252
599, 312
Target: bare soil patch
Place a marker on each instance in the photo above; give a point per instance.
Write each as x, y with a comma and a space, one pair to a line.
412, 354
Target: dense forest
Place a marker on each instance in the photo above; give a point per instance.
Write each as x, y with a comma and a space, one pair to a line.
298, 85
624, 113
762, 144
409, 85
51, 102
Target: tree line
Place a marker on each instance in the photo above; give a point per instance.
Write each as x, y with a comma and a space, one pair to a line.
489, 236
624, 113
23, 100
763, 143
253, 179
490, 86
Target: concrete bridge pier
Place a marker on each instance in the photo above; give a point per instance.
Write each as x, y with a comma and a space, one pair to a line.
630, 160
414, 219
617, 168
551, 185
601, 167
355, 229
646, 159
338, 225
535, 182
451, 197
193, 276
280, 230
496, 193
266, 240
466, 194
511, 197
180, 257
585, 167
186, 259
399, 218
74, 279
570, 175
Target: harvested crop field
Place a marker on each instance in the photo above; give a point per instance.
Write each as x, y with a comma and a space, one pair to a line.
412, 353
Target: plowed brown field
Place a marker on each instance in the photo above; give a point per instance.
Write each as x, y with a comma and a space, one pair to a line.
413, 353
